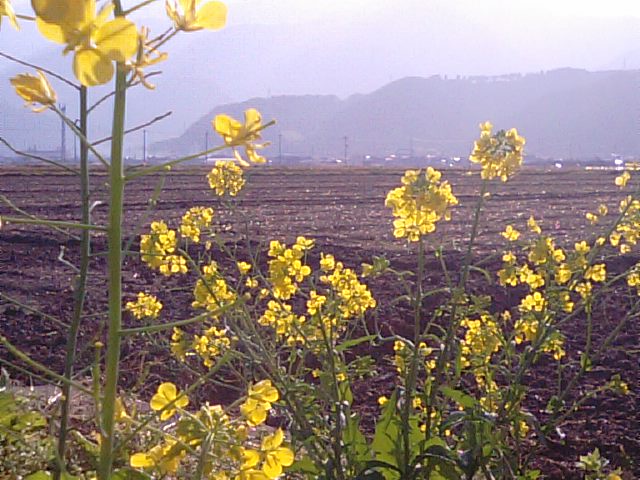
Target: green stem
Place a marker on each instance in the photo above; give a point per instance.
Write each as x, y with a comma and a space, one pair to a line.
51, 223
179, 323
114, 261
80, 290
410, 385
172, 163
26, 307
83, 138
16, 352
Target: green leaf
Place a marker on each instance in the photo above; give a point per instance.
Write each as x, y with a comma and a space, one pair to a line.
461, 398
353, 342
386, 441
355, 442
304, 465
41, 475
129, 474
377, 470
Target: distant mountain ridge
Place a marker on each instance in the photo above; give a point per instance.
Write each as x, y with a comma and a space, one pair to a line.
568, 113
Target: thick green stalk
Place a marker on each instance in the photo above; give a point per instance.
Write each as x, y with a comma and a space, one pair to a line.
114, 262
410, 385
80, 289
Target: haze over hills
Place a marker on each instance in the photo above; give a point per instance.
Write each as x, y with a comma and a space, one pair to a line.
564, 113
277, 48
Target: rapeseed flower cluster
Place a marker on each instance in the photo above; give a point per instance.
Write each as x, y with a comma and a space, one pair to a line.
622, 180
194, 221
287, 267
226, 178
259, 399
354, 298
211, 344
212, 292
232, 450
145, 306
481, 340
422, 201
269, 461
95, 41
627, 231
163, 458
500, 154
286, 324
158, 248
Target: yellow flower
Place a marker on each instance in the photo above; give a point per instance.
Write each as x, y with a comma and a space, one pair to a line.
163, 458
582, 247
211, 345
593, 219
622, 180
603, 209
533, 225
194, 221
147, 56
146, 306
96, 41
275, 456
382, 401
226, 177
235, 134
499, 154
421, 202
533, 301
510, 233
35, 90
596, 273
6, 10
272, 455
258, 402
186, 15
167, 393
243, 267
157, 250
327, 262
563, 274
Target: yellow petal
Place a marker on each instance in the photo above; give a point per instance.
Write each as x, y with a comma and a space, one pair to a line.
51, 31
272, 467
250, 458
117, 39
212, 15
285, 456
168, 390
187, 5
226, 126
7, 10
91, 67
182, 402
66, 13
252, 118
266, 391
141, 460
272, 442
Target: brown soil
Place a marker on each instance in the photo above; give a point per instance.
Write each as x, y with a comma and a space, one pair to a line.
343, 210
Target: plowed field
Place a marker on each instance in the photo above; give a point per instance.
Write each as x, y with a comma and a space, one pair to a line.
343, 210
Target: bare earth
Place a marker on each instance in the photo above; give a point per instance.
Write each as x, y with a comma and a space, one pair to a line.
343, 210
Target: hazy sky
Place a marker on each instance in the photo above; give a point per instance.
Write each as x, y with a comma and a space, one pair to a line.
343, 47
287, 11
